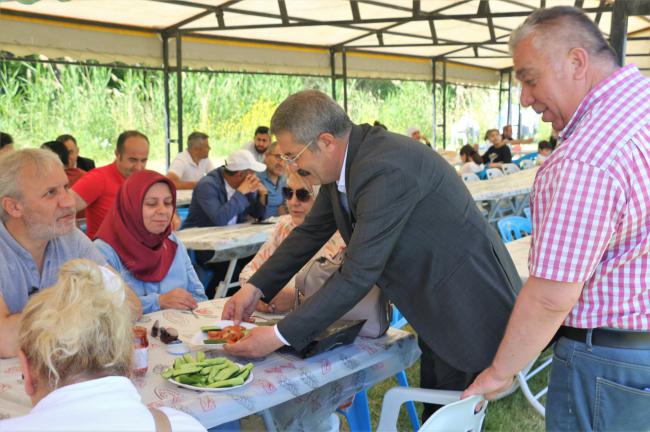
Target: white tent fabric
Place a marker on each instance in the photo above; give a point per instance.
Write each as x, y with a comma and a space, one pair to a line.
382, 38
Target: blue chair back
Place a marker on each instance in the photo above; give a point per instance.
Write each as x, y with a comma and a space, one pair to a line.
482, 174
532, 156
527, 213
511, 227
182, 213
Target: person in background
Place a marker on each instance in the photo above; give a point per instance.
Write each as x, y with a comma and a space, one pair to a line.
76, 161
37, 234
300, 195
261, 141
472, 162
553, 138
96, 191
506, 137
6, 143
76, 352
498, 153
228, 195
414, 133
191, 165
544, 150
590, 249
74, 174
137, 240
274, 181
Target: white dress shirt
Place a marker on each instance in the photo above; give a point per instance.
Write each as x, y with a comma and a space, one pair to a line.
188, 170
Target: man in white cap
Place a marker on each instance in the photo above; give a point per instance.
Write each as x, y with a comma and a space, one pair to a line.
228, 194
414, 133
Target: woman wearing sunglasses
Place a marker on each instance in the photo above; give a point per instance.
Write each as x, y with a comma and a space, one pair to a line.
300, 196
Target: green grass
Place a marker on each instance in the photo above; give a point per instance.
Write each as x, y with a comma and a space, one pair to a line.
508, 414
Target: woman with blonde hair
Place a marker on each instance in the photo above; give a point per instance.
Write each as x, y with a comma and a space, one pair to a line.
300, 196
76, 348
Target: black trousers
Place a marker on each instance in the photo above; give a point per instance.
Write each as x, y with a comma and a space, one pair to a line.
435, 373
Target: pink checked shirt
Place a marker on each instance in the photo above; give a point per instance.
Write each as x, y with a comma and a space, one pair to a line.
590, 206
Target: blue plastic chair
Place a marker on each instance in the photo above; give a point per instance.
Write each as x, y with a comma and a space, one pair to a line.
527, 213
482, 174
532, 156
204, 275
511, 227
182, 213
358, 414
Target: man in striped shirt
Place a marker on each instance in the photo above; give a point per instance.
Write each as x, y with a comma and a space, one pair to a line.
590, 253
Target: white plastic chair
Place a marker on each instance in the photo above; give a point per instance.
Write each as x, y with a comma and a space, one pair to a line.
509, 168
470, 177
493, 173
456, 415
527, 164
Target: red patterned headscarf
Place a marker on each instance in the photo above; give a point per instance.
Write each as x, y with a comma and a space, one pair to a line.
147, 256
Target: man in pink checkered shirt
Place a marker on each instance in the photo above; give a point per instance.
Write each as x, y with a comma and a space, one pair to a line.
590, 254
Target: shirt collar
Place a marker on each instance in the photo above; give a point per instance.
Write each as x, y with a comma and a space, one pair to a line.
340, 183
596, 93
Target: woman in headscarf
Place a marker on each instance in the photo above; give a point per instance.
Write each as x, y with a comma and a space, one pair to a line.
137, 240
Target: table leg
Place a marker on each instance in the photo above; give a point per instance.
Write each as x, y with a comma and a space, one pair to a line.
222, 288
268, 421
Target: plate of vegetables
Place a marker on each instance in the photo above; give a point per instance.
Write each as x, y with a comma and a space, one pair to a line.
208, 374
221, 332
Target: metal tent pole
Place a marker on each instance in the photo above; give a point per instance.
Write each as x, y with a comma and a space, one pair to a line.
179, 90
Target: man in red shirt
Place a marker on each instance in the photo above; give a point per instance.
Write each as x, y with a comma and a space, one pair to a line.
96, 190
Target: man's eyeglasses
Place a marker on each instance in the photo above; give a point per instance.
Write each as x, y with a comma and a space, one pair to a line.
302, 194
291, 160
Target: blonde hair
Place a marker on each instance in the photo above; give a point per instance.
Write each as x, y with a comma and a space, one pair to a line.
77, 329
312, 188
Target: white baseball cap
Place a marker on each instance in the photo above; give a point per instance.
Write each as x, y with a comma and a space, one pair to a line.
242, 160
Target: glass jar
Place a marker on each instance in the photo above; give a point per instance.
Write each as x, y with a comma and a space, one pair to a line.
140, 351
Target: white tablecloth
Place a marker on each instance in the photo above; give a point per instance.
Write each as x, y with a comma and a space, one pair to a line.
519, 250
299, 392
184, 197
519, 183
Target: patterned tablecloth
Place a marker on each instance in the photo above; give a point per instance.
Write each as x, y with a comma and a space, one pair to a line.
183, 197
519, 183
227, 242
519, 250
299, 394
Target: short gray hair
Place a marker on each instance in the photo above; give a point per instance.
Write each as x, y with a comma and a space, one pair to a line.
271, 147
567, 24
12, 165
309, 113
196, 138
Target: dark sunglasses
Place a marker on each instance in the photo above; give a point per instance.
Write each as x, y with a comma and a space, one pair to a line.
302, 194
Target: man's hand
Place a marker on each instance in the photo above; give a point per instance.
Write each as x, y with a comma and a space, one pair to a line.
178, 298
250, 184
489, 384
240, 306
259, 342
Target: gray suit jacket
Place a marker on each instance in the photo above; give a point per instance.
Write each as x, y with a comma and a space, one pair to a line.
415, 230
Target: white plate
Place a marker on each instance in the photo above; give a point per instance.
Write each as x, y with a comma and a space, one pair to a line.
198, 338
208, 389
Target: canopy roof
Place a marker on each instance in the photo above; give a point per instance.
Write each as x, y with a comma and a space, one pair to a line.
381, 38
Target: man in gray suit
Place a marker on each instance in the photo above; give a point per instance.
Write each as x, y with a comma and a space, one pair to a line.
410, 226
